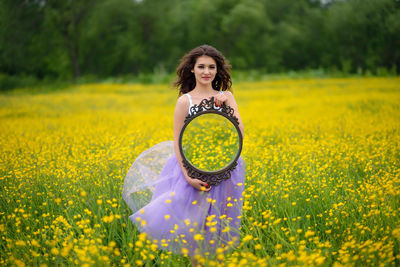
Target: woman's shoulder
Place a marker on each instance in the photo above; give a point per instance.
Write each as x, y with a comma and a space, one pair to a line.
229, 94
182, 102
183, 99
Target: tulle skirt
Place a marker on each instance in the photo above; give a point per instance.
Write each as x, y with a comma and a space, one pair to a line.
173, 214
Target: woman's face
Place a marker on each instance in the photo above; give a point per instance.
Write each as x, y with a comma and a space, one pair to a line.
205, 70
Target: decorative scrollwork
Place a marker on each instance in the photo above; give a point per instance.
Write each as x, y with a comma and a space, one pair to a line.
208, 104
210, 179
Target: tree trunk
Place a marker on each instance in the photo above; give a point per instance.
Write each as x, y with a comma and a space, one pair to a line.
75, 61
73, 53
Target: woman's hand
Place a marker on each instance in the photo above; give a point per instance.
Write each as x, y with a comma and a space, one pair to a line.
220, 98
198, 184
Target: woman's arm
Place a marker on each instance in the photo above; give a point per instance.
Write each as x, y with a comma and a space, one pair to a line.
229, 100
181, 111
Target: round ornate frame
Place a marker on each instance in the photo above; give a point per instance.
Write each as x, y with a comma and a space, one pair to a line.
210, 177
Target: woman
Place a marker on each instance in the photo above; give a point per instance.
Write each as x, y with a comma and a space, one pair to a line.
186, 215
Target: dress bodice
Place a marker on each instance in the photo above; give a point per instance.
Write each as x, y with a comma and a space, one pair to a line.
191, 104
190, 101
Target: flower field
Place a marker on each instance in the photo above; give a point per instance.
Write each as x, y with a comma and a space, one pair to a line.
322, 173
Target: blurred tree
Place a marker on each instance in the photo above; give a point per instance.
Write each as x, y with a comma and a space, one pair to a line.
112, 43
67, 38
20, 33
390, 52
295, 25
244, 27
66, 18
360, 34
156, 22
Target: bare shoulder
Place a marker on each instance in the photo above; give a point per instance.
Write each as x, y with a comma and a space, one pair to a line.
182, 103
228, 93
182, 100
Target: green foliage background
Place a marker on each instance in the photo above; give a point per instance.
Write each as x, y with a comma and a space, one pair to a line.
65, 39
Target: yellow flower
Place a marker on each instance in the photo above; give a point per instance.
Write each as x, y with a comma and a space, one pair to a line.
277, 221
20, 243
198, 237
19, 263
35, 243
226, 229
247, 238
185, 251
142, 236
396, 233
55, 251
309, 233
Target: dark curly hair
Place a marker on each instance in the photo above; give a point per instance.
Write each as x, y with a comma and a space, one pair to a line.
186, 80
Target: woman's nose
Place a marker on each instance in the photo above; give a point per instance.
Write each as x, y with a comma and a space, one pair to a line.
206, 70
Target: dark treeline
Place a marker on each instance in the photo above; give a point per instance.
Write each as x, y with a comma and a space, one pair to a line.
63, 39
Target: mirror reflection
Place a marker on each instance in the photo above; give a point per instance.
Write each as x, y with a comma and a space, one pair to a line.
210, 142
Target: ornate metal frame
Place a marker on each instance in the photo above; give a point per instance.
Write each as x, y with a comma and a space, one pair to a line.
210, 177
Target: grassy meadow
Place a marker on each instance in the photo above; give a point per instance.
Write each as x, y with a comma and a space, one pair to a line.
322, 173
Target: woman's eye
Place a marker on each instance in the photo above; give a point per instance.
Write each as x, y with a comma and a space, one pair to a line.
212, 67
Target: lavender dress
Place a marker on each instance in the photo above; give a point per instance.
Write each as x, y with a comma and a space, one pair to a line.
176, 216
